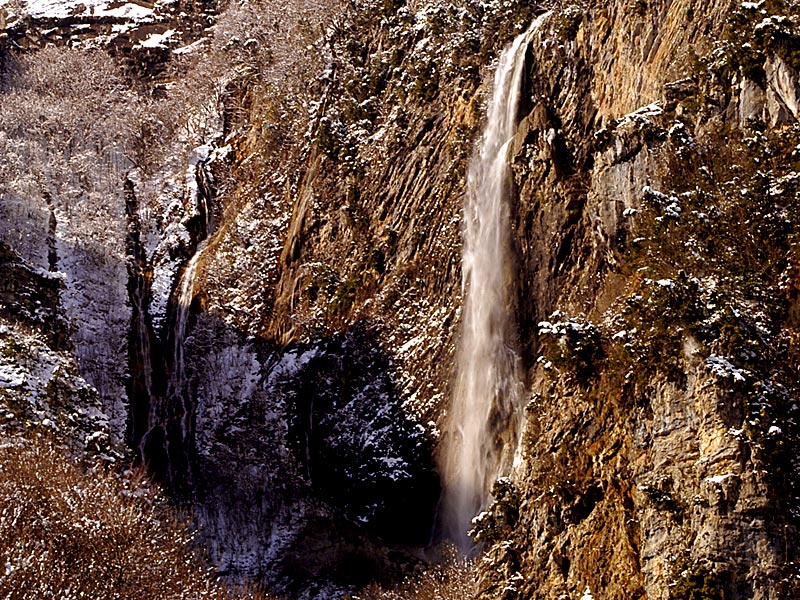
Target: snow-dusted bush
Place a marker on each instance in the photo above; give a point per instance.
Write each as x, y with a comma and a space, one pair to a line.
577, 343
70, 533
497, 522
694, 580
67, 122
450, 579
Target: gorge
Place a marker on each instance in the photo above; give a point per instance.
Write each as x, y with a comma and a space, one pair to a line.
352, 279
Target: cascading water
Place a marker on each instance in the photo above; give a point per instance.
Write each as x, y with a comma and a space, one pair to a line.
167, 439
483, 422
198, 194
184, 303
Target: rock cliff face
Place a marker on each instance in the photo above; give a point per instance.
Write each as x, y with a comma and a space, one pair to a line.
278, 344
652, 465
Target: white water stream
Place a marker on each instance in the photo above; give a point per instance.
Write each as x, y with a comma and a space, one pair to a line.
176, 392
199, 201
484, 418
184, 303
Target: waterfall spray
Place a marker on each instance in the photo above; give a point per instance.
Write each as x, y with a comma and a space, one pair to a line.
483, 421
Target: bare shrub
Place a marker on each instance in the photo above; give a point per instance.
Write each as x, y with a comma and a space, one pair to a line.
69, 534
273, 50
450, 579
74, 122
71, 107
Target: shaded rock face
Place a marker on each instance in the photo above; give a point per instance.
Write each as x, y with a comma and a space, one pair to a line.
303, 456
30, 295
92, 297
41, 390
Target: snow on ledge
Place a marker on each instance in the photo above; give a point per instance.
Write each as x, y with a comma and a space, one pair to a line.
157, 40
64, 9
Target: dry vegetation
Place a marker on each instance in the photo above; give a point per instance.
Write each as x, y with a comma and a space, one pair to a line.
68, 533
66, 126
451, 579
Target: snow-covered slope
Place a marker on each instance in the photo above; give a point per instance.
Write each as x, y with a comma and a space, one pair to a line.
140, 25
65, 9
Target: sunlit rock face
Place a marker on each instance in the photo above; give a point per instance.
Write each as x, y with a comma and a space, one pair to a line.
643, 466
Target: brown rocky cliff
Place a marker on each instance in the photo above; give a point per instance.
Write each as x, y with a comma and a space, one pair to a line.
648, 476
654, 221
641, 476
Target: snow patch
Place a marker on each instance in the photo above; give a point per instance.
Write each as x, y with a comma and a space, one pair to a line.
157, 40
723, 369
65, 9
717, 479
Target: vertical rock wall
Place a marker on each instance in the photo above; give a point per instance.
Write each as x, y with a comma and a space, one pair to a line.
653, 225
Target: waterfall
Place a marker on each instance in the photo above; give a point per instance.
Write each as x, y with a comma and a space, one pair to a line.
485, 413
166, 443
184, 302
198, 194
182, 309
